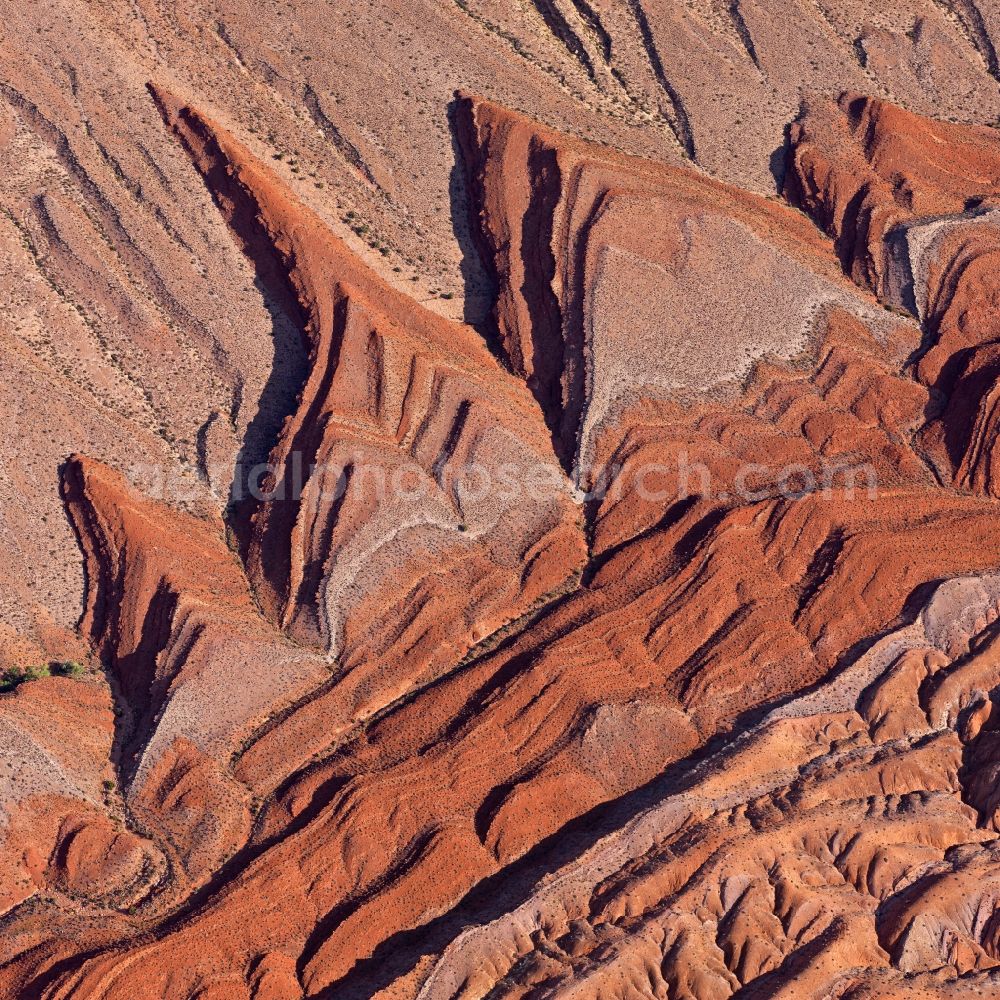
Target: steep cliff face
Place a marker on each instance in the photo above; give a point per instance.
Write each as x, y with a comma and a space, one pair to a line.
135, 333
392, 540
875, 176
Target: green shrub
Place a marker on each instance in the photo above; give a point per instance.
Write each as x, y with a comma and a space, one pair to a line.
69, 668
11, 678
16, 676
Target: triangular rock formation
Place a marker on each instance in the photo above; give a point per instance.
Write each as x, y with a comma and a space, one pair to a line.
418, 507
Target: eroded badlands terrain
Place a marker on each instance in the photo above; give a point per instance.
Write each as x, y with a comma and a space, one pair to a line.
695, 697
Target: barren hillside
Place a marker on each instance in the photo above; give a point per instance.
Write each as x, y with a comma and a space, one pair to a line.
499, 500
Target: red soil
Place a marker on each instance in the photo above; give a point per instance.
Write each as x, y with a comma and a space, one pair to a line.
700, 734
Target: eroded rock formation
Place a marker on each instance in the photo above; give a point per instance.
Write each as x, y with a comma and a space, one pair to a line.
707, 713
392, 541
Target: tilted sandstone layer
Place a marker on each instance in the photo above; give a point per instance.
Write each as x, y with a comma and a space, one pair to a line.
194, 669
838, 848
387, 534
603, 261
912, 208
741, 743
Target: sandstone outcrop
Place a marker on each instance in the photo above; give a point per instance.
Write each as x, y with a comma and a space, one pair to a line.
912, 208
193, 667
398, 526
604, 265
831, 850
637, 638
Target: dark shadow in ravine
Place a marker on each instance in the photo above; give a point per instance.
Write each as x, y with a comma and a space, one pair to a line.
289, 370
778, 163
273, 268
479, 287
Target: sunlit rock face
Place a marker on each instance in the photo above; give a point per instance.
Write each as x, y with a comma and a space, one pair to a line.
537, 538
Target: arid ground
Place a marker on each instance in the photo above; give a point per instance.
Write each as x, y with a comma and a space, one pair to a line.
498, 499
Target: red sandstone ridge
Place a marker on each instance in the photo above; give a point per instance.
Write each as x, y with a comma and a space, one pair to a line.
194, 669
395, 557
601, 259
912, 207
694, 700
868, 170
830, 850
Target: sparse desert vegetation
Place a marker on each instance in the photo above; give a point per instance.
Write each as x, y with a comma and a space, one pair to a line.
499, 500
